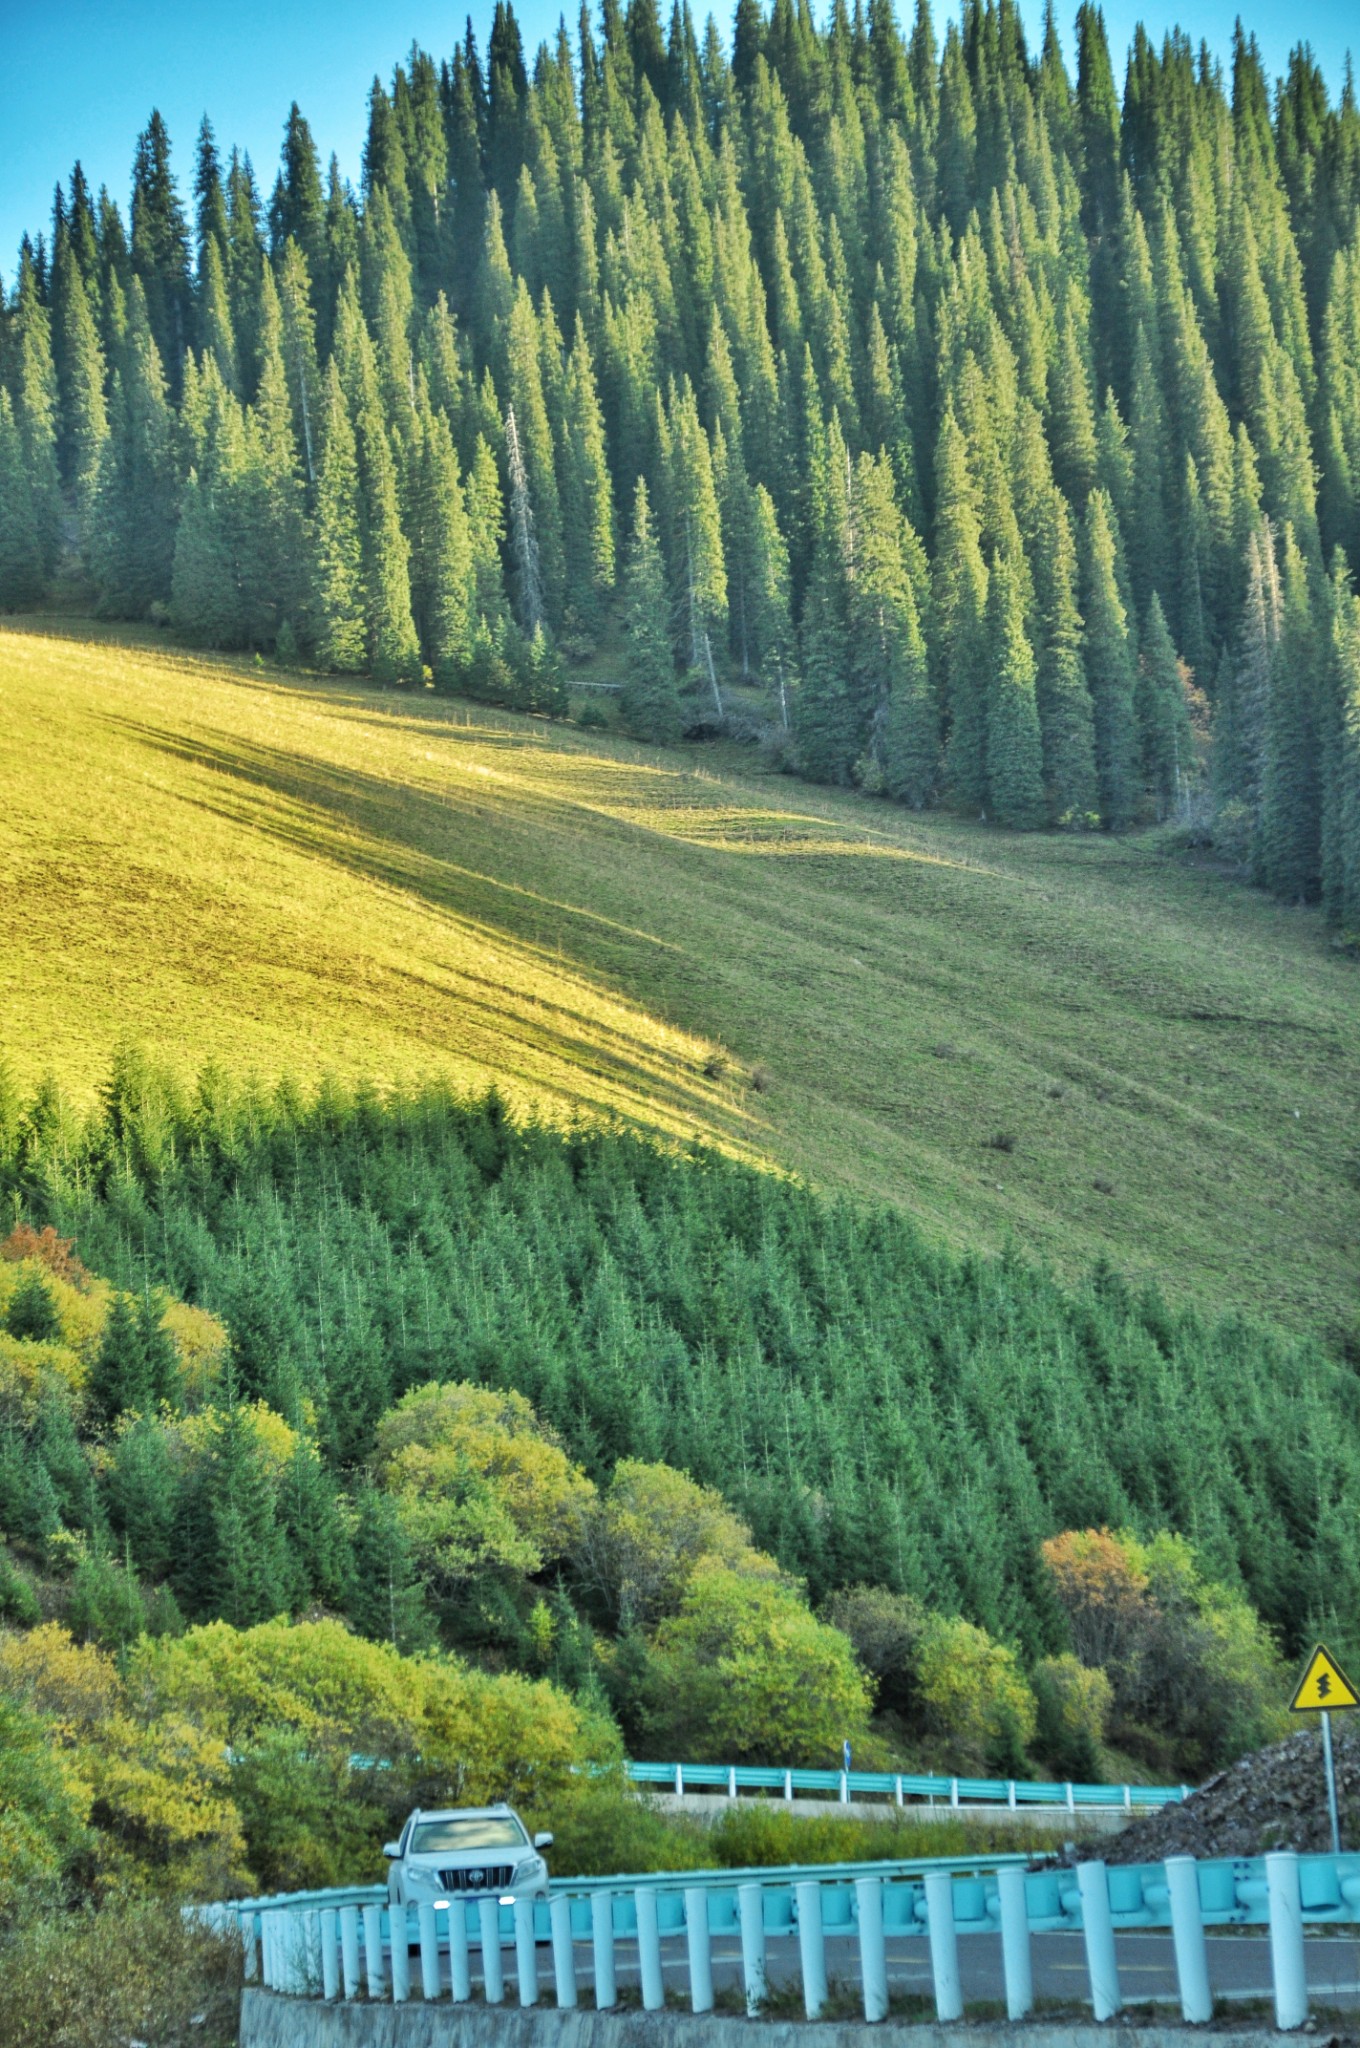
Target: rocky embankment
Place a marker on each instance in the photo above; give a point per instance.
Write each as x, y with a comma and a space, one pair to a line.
1276, 1799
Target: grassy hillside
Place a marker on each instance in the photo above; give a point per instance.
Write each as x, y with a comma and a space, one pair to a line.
1073, 1040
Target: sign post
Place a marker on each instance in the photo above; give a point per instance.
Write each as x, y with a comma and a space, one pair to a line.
1325, 1689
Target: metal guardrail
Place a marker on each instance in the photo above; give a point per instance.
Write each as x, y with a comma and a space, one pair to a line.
899, 1787
346, 1951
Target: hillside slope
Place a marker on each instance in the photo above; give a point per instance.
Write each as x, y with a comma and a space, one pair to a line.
282, 874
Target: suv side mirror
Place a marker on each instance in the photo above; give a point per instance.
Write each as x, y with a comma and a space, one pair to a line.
543, 1841
391, 1849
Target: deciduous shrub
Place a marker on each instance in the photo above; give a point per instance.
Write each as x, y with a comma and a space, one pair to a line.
745, 1672
1073, 1703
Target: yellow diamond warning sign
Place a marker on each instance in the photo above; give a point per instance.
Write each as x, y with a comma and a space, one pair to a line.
1324, 1684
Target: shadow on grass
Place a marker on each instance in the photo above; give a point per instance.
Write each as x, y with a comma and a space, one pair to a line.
431, 849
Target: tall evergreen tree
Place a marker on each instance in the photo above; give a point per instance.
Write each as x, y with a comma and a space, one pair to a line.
132, 523
1163, 722
336, 610
22, 577
649, 699
392, 647
160, 248
84, 419
959, 577
1015, 787
1109, 669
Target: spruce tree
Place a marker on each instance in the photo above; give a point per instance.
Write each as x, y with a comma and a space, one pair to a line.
1109, 669
1163, 722
649, 698
160, 248
22, 579
84, 414
1015, 788
132, 526
231, 1556
587, 497
442, 573
698, 570
769, 607
1066, 717
887, 649
120, 1376
959, 577
1290, 854
33, 389
335, 612
385, 1600
393, 651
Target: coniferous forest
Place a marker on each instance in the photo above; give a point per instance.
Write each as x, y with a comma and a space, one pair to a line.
980, 435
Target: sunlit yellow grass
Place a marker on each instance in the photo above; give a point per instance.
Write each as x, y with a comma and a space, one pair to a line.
294, 874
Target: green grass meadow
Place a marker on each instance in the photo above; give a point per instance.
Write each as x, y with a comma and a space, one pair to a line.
1082, 1043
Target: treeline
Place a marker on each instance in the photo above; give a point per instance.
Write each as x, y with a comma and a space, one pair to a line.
876, 1410
1007, 438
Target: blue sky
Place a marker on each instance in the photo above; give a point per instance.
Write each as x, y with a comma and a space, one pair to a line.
82, 75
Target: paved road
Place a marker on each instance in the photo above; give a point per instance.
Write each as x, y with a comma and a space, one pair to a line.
1239, 1967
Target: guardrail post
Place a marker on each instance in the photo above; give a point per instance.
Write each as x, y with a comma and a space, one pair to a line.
330, 1953
526, 1952
1128, 1800
1286, 1940
811, 1947
752, 1911
1187, 1934
460, 1963
493, 1971
944, 1945
373, 1955
700, 1950
788, 1784
649, 1949
679, 1781
602, 1933
267, 1950
897, 1789
1010, 1795
845, 1788
1098, 1930
399, 1941
873, 1953
731, 1781
430, 1985
953, 1791
350, 1979
563, 1950
1016, 1959
1071, 1802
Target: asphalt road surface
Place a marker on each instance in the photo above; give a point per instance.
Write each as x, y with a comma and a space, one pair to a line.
1239, 1968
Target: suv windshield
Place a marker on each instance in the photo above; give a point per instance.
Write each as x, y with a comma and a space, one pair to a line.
481, 1831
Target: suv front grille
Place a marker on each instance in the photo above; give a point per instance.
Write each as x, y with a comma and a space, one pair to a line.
493, 1877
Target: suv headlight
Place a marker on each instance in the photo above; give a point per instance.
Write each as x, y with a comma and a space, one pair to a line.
531, 1868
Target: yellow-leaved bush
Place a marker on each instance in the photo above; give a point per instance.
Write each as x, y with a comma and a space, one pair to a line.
974, 1695
58, 1364
745, 1671
479, 1482
156, 1787
281, 1755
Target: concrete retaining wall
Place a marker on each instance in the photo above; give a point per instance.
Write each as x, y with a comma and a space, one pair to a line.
268, 2021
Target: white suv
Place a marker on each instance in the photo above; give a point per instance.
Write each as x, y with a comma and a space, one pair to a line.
470, 1852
